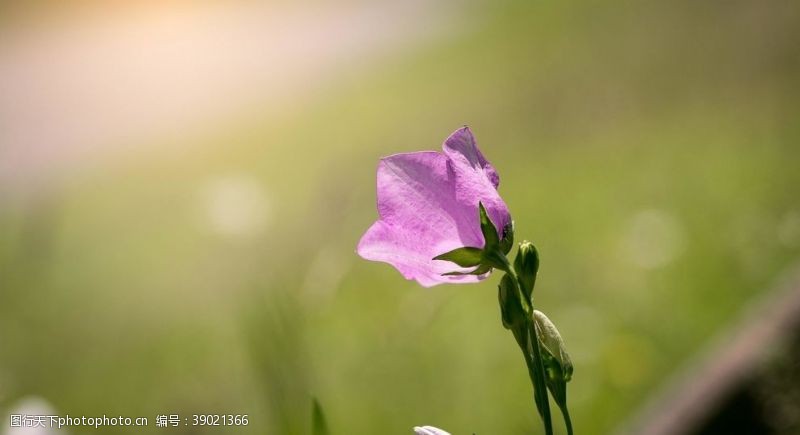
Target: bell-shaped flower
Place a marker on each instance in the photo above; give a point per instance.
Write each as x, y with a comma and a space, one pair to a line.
428, 205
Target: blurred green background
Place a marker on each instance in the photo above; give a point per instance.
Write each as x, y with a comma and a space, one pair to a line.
207, 265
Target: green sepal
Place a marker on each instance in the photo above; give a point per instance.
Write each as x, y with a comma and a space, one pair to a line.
488, 229
480, 270
492, 255
464, 257
507, 242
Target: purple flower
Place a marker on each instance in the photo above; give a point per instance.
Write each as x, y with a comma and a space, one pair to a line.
428, 205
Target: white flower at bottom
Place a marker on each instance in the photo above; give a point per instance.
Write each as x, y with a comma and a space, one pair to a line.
429, 430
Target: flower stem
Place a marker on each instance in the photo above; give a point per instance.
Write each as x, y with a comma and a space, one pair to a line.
540, 389
528, 342
567, 420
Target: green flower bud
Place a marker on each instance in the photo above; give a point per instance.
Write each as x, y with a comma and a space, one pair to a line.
553, 344
556, 361
513, 315
527, 265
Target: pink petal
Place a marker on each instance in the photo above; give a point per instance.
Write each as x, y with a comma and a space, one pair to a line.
419, 218
462, 145
428, 205
475, 176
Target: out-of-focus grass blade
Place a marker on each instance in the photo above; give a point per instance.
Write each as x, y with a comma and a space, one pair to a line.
318, 424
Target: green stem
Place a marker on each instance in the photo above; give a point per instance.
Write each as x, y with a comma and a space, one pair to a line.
523, 342
533, 356
539, 383
530, 347
567, 420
